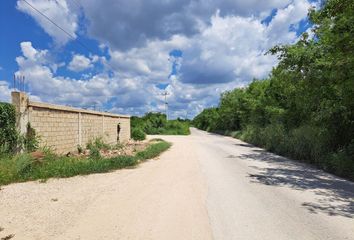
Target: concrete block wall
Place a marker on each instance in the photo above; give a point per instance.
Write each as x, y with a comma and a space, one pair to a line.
64, 128
91, 127
56, 129
110, 126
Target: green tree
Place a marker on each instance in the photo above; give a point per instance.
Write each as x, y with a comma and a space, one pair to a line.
305, 108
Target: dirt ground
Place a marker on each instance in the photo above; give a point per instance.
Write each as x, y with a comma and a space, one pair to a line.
160, 199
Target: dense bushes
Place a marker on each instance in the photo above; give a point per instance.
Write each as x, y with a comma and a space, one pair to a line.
8, 133
208, 120
176, 127
10, 140
305, 108
156, 123
138, 134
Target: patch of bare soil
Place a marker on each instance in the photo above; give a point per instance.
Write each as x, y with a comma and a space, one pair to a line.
129, 148
126, 149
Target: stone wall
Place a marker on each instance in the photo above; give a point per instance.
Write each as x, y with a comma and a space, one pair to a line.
64, 128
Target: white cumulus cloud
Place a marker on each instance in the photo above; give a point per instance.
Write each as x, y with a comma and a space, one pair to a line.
223, 45
58, 11
5, 91
80, 63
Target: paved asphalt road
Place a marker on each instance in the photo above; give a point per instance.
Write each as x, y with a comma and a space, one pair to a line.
253, 194
205, 187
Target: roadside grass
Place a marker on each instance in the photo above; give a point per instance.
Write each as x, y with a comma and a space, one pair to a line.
23, 167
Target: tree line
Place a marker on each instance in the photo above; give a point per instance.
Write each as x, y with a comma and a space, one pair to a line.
305, 108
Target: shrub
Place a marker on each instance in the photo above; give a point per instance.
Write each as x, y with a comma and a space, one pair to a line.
274, 138
31, 141
95, 146
252, 134
308, 143
138, 134
8, 133
342, 162
95, 153
97, 143
100, 144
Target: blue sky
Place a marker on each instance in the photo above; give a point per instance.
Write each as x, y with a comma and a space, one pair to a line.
136, 50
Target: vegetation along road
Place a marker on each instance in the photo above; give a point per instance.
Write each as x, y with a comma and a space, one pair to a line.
205, 187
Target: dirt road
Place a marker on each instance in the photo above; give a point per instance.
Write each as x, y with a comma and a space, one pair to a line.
205, 187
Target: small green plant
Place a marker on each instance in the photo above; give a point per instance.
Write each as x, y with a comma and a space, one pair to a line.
98, 143
118, 146
95, 153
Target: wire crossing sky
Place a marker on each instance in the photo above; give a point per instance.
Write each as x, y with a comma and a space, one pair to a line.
122, 55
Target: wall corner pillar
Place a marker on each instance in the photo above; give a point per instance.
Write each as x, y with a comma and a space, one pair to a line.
20, 101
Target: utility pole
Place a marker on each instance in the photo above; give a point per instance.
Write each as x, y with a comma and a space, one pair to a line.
166, 103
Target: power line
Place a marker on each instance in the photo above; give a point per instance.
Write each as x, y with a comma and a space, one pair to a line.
62, 29
55, 24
